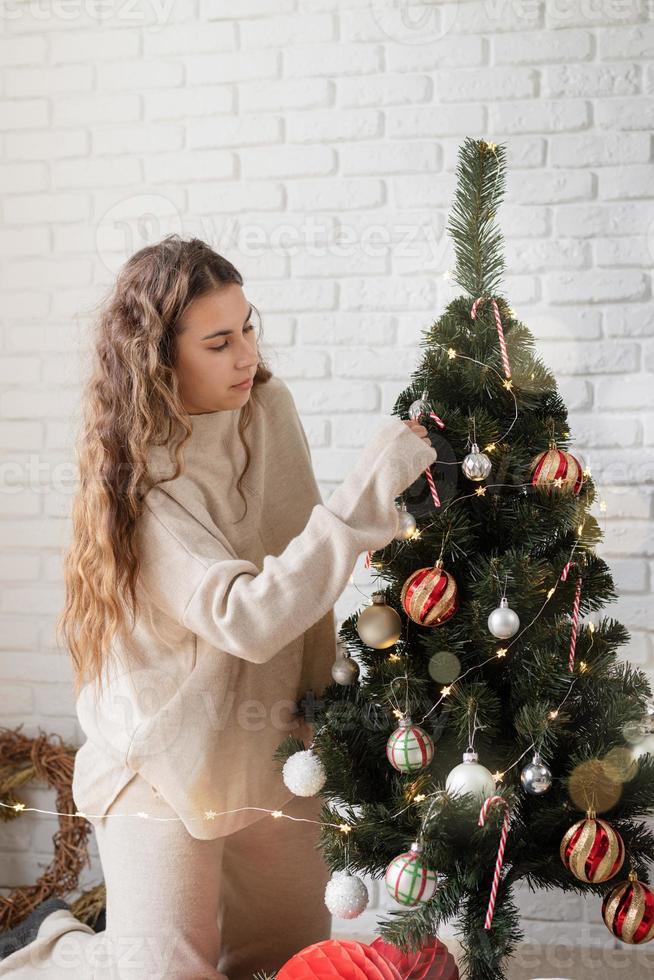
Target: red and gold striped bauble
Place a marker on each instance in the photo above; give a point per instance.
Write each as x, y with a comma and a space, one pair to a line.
557, 468
628, 911
429, 596
592, 850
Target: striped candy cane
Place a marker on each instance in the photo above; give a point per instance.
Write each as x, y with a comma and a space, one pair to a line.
575, 615
500, 853
500, 331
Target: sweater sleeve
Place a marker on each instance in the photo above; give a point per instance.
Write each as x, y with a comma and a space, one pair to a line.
252, 613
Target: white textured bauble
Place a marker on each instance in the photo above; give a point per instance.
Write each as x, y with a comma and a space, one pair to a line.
346, 896
304, 773
503, 622
379, 625
470, 777
476, 465
345, 670
407, 526
536, 777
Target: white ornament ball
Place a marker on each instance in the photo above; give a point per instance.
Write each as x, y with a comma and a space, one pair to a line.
407, 525
346, 896
503, 622
345, 670
304, 773
470, 777
408, 881
646, 744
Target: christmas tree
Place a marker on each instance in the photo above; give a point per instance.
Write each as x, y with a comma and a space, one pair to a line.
480, 642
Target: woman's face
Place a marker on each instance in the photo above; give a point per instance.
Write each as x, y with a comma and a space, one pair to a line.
215, 350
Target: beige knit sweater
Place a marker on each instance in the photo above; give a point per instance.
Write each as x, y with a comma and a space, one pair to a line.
236, 620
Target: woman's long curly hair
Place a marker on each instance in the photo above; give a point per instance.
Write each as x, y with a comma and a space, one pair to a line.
131, 401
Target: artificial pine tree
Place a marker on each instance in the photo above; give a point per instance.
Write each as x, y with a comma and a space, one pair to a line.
549, 682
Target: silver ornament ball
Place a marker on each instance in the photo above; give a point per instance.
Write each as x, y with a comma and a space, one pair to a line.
476, 465
407, 525
345, 670
503, 622
536, 777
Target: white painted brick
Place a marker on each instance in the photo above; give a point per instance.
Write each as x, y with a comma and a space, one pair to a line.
576, 393
17, 633
625, 182
154, 138
21, 435
48, 81
188, 39
464, 85
620, 251
49, 273
258, 96
16, 501
551, 187
408, 293
92, 46
630, 574
210, 10
289, 161
36, 403
602, 219
200, 165
599, 149
287, 31
373, 363
591, 80
390, 158
46, 145
382, 90
581, 13
234, 131
232, 197
232, 67
16, 699
605, 430
627, 392
345, 329
18, 568
22, 50
37, 208
23, 114
205, 100
596, 286
329, 125
440, 52
118, 75
320, 195
627, 502
542, 116
541, 255
93, 109
564, 323
627, 113
335, 264
24, 177
541, 47
23, 241
332, 59
634, 41
446, 120
19, 370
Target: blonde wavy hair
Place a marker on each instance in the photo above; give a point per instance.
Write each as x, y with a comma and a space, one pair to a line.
130, 401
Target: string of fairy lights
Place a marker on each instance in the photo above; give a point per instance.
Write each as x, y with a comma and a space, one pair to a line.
500, 653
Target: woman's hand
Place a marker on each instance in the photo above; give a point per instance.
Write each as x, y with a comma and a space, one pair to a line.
419, 429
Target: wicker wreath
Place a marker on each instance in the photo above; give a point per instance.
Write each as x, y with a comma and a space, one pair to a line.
48, 759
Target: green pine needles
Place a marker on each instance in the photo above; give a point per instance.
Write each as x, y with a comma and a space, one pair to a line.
511, 536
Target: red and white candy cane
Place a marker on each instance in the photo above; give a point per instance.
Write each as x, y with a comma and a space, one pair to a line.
500, 853
575, 615
500, 331
430, 480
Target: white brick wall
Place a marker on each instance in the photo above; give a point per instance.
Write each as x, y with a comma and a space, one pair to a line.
121, 122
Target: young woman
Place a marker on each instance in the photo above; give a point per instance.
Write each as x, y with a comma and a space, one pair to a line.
200, 587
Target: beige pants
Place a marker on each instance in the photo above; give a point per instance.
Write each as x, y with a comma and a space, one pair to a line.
179, 908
